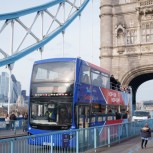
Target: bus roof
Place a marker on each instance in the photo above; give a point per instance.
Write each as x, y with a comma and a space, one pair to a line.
98, 68
54, 60
72, 59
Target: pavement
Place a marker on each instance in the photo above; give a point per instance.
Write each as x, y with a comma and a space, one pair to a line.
132, 145
4, 134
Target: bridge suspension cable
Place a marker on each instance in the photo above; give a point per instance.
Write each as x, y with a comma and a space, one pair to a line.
26, 37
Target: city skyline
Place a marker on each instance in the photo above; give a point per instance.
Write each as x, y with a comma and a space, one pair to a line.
6, 86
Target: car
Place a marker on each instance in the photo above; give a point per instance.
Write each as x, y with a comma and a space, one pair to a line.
140, 115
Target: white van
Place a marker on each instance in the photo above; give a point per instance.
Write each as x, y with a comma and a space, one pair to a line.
140, 115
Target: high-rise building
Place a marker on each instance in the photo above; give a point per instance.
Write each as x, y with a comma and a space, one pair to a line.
4, 86
15, 89
23, 93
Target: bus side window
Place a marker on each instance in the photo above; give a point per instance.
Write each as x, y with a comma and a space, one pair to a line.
100, 81
95, 82
86, 78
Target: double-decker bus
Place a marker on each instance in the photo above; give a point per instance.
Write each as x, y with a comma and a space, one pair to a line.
70, 93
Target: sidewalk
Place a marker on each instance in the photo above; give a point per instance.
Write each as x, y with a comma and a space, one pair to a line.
9, 134
132, 145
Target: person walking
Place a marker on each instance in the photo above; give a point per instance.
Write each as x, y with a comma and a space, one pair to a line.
7, 121
145, 133
25, 122
12, 121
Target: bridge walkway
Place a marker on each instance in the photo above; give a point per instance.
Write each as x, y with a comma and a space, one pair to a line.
132, 145
4, 134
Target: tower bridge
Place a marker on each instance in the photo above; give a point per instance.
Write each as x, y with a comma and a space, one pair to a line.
125, 49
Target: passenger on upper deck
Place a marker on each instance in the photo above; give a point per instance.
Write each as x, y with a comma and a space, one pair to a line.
118, 85
113, 82
99, 80
86, 78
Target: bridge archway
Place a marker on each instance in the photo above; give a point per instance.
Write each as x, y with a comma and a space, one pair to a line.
136, 77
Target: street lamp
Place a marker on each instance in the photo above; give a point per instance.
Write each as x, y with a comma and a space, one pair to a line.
10, 67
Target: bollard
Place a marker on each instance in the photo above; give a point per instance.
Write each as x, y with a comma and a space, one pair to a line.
108, 135
77, 142
95, 139
51, 144
12, 146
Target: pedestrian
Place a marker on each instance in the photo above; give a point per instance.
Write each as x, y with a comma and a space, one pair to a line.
145, 133
7, 121
118, 115
25, 122
12, 121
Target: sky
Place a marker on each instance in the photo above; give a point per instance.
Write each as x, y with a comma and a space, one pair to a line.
77, 40
81, 39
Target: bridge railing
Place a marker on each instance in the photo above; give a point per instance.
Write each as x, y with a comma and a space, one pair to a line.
73, 141
13, 128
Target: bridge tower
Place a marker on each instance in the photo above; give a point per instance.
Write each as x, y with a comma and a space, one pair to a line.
126, 47
106, 43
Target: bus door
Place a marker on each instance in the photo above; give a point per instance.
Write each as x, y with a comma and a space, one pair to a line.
83, 116
83, 122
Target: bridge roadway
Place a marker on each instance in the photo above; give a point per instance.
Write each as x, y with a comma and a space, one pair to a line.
132, 145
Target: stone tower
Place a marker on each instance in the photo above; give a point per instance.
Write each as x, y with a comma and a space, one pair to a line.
126, 48
106, 30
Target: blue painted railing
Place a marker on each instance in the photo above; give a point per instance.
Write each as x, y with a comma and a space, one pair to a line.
18, 123
75, 141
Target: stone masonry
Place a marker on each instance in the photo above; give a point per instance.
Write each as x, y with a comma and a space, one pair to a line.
126, 48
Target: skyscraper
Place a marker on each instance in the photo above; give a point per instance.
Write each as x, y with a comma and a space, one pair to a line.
4, 84
16, 89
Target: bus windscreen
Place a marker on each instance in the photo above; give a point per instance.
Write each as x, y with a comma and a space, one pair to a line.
54, 72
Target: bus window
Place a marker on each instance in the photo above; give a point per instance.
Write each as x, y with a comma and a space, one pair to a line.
96, 108
86, 79
123, 110
100, 80
105, 80
112, 112
112, 109
85, 74
61, 71
103, 109
49, 113
94, 77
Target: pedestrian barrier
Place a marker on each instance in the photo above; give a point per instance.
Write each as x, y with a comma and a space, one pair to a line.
73, 141
15, 128
18, 124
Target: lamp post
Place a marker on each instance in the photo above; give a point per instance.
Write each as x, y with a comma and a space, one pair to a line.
10, 67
